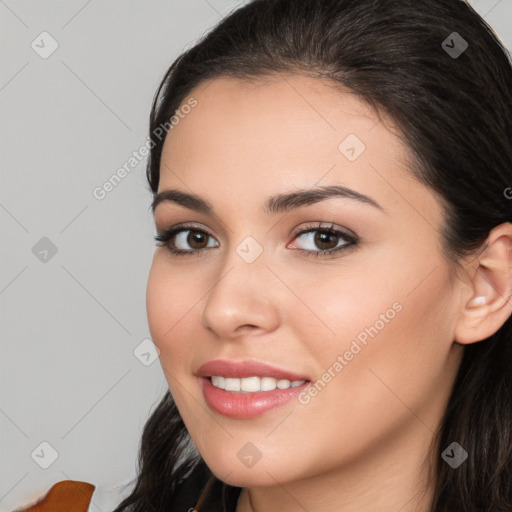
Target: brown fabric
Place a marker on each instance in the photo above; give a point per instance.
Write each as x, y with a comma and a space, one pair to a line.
64, 496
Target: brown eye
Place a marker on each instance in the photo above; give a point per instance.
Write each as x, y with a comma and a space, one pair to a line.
185, 240
196, 239
325, 241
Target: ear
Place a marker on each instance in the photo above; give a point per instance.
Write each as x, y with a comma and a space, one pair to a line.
488, 302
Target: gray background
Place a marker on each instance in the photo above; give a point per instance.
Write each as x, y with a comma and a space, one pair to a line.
73, 372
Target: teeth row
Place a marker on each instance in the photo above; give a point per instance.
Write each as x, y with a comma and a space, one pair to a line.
253, 384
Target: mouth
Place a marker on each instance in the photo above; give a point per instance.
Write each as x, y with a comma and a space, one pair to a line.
247, 369
248, 389
252, 384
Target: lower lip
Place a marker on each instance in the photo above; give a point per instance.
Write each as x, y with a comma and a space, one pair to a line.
236, 404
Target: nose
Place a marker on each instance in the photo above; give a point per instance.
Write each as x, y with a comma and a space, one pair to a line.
242, 300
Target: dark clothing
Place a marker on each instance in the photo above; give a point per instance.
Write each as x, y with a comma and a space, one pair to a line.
190, 489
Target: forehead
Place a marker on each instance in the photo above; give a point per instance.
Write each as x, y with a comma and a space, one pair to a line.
284, 110
276, 117
251, 139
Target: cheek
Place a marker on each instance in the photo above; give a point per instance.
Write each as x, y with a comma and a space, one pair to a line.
395, 312
340, 305
399, 367
168, 302
169, 305
157, 301
391, 341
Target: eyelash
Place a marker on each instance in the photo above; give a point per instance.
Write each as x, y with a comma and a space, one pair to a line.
166, 236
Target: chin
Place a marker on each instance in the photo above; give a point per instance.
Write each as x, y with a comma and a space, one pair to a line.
262, 474
247, 477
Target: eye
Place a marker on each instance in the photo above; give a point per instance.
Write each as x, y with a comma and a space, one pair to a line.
327, 239
178, 238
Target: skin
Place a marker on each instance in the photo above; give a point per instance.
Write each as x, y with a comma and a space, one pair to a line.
363, 443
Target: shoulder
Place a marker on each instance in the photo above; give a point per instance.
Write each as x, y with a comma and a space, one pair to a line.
202, 485
63, 496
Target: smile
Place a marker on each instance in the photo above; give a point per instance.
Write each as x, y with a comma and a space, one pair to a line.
253, 384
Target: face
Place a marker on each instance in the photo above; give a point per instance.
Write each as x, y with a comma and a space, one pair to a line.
348, 291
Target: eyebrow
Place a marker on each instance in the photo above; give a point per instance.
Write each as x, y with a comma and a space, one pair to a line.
280, 203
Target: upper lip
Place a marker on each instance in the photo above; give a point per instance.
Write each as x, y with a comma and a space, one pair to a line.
241, 369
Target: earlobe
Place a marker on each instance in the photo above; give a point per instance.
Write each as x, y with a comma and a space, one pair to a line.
490, 304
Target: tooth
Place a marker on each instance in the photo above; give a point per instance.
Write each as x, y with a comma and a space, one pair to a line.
268, 384
283, 384
253, 384
231, 384
250, 384
218, 381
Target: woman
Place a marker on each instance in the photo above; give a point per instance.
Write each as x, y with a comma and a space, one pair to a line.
373, 135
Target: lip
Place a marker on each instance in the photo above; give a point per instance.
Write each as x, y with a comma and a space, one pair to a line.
240, 405
241, 369
244, 406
